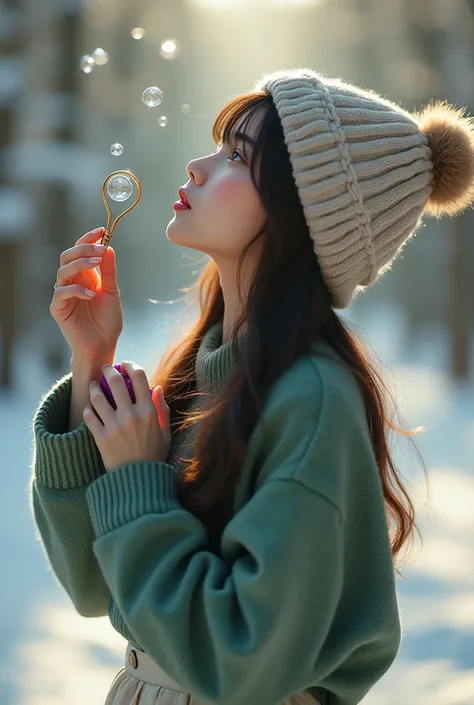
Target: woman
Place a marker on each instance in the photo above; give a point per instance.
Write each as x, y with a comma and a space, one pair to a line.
241, 526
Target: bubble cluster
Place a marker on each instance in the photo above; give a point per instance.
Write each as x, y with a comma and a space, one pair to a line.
152, 96
116, 149
138, 32
119, 188
87, 63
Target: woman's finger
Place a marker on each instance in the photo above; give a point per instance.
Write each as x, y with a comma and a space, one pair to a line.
165, 418
67, 272
101, 404
117, 386
64, 293
108, 272
139, 380
91, 236
94, 424
162, 409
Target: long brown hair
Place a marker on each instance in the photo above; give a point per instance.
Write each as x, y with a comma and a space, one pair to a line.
286, 307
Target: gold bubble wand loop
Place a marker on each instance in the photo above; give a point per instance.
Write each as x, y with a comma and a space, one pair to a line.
110, 229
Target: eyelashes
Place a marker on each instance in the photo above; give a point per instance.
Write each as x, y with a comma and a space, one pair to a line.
236, 151
232, 152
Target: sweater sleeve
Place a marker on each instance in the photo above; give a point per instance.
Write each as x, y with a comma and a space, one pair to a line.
64, 464
208, 620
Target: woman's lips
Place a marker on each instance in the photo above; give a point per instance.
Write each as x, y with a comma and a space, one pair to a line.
180, 206
182, 195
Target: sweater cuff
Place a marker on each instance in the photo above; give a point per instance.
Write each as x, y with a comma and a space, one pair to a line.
63, 459
130, 492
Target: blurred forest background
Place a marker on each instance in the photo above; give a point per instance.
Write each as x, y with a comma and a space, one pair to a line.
57, 124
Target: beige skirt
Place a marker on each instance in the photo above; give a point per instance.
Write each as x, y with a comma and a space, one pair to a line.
143, 682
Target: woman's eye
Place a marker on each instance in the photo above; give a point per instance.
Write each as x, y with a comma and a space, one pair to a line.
236, 151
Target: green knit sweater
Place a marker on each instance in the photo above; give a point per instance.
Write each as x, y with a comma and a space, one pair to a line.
301, 593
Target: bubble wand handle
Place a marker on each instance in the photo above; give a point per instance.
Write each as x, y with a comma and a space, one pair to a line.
110, 229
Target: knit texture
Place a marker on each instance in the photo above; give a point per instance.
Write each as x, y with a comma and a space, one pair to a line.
363, 171
300, 593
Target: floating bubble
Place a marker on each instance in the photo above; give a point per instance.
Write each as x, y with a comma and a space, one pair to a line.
152, 96
169, 46
163, 121
185, 108
100, 56
138, 32
116, 149
87, 63
119, 188
170, 49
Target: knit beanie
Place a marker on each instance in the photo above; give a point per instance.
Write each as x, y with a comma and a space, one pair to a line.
366, 170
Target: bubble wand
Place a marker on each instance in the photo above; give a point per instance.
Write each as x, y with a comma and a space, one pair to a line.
121, 192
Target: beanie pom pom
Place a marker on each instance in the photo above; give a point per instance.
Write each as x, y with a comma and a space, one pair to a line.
450, 135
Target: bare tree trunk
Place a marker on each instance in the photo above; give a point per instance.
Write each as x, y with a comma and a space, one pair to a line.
444, 45
44, 130
457, 87
458, 314
11, 225
425, 40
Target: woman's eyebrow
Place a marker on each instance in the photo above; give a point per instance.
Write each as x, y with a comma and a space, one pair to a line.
245, 138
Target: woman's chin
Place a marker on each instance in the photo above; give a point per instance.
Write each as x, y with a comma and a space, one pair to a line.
184, 237
176, 235
173, 231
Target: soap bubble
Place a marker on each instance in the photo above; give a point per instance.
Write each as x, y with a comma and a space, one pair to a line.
170, 49
87, 63
163, 121
138, 33
152, 96
169, 46
100, 56
119, 188
185, 108
116, 149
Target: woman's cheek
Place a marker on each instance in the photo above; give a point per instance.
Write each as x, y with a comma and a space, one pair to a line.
228, 204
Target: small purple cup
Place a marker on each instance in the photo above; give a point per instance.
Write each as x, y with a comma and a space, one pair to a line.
104, 385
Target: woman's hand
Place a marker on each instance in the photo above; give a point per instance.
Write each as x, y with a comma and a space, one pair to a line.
132, 432
90, 323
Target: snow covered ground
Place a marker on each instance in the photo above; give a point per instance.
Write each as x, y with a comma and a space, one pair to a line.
52, 656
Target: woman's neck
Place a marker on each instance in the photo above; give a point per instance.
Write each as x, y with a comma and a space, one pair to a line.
232, 310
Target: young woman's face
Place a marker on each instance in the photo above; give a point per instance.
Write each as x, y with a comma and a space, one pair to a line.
226, 212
